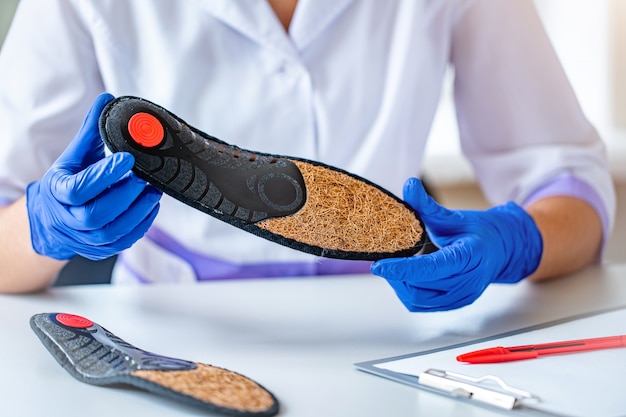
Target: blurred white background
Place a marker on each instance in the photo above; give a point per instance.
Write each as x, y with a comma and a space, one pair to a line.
592, 48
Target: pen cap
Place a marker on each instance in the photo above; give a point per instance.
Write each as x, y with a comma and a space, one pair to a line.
494, 355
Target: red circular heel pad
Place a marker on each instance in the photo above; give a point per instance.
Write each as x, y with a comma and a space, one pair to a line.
145, 129
71, 320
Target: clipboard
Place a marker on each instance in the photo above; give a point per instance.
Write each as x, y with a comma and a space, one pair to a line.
573, 385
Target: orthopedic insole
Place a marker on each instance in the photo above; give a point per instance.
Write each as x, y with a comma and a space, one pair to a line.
298, 203
93, 355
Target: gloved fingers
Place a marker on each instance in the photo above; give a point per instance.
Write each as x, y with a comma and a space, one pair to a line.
78, 188
462, 290
112, 203
423, 299
136, 219
403, 293
124, 222
466, 292
442, 224
124, 240
447, 279
428, 271
87, 146
416, 196
98, 105
414, 297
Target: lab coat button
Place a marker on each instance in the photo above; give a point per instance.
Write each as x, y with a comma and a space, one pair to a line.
288, 69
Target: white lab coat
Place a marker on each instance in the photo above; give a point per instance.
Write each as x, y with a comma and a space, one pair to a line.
355, 84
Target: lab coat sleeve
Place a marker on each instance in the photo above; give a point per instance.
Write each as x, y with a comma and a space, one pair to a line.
48, 80
520, 123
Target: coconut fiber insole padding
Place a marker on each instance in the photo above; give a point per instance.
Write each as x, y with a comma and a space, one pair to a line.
93, 355
298, 203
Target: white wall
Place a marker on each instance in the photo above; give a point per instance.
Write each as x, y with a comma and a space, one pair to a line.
592, 47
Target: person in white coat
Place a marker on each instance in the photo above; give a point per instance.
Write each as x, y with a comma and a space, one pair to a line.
351, 83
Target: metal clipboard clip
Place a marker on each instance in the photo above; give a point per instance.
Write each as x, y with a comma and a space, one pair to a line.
477, 389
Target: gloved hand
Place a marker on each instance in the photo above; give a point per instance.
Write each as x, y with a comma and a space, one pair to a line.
88, 204
502, 244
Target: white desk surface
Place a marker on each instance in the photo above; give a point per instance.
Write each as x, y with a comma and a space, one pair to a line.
297, 337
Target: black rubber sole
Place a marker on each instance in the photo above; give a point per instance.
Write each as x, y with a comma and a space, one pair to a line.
200, 170
237, 186
95, 356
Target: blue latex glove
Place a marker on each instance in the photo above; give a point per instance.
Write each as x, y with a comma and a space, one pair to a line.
88, 204
502, 244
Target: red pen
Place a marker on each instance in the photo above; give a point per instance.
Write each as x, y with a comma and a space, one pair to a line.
516, 353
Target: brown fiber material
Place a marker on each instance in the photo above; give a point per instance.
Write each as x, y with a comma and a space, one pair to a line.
344, 213
213, 385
